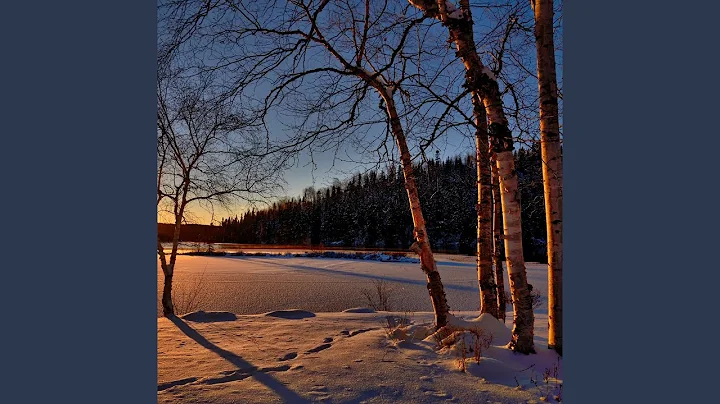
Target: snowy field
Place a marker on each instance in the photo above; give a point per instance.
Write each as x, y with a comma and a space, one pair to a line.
313, 351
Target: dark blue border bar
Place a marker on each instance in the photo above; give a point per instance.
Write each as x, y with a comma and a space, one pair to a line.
639, 269
78, 162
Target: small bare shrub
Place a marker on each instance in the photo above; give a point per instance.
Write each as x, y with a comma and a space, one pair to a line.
190, 296
550, 387
465, 342
395, 327
482, 341
379, 296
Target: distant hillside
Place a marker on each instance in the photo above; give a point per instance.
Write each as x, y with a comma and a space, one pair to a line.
191, 232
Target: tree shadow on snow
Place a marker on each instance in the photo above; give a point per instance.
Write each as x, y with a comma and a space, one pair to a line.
462, 288
270, 382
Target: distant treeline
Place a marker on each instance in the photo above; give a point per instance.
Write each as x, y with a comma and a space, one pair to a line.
191, 232
371, 210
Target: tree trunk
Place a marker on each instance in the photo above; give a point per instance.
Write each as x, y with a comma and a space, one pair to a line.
499, 248
523, 318
481, 81
422, 242
552, 165
488, 287
169, 268
167, 305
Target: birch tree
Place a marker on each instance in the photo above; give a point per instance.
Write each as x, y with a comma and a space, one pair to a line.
486, 278
483, 84
552, 164
207, 155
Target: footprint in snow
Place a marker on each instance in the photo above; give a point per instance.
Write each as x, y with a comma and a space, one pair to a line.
288, 356
318, 348
167, 385
356, 332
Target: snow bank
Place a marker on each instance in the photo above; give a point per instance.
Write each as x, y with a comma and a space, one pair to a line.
209, 316
470, 336
493, 371
359, 310
411, 332
500, 332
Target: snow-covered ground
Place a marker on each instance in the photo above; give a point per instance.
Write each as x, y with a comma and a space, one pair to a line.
323, 354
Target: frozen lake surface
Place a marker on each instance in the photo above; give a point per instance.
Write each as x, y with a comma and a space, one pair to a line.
253, 285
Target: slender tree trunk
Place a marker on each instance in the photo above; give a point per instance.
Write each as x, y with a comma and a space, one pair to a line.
422, 242
167, 305
523, 318
499, 248
169, 268
552, 165
481, 81
488, 288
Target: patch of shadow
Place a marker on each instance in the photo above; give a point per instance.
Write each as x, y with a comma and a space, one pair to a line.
167, 385
318, 348
240, 374
273, 384
335, 271
209, 316
288, 356
327, 339
233, 376
290, 314
359, 310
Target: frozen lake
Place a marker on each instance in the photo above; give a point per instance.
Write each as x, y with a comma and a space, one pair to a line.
253, 285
